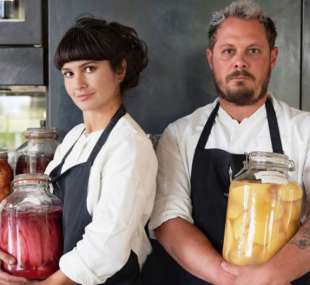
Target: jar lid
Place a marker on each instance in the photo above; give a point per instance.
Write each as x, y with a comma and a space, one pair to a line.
276, 159
3, 153
40, 133
30, 179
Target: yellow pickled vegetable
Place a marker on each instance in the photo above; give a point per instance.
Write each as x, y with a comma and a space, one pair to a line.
261, 218
229, 238
290, 192
240, 225
277, 241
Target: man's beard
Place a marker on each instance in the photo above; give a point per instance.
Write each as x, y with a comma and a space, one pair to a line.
243, 96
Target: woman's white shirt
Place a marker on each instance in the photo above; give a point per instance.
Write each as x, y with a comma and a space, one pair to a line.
121, 191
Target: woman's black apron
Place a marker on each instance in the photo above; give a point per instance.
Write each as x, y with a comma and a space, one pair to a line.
210, 180
71, 187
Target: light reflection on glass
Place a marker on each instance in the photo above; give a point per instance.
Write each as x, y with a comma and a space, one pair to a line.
17, 113
12, 10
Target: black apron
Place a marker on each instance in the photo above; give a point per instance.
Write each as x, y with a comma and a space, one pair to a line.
71, 187
210, 180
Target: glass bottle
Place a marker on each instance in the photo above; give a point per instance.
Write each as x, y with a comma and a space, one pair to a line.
6, 174
264, 209
31, 228
37, 152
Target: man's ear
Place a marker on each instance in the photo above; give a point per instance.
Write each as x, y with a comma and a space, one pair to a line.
209, 56
274, 56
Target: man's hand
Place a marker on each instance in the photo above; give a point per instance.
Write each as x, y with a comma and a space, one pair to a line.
255, 275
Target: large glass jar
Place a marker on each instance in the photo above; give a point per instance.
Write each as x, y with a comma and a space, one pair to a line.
264, 209
6, 174
31, 228
37, 152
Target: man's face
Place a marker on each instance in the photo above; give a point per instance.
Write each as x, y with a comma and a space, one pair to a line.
241, 61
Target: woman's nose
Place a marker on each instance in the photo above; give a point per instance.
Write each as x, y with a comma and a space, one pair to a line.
80, 82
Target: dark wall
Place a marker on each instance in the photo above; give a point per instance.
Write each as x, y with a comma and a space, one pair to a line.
305, 84
177, 80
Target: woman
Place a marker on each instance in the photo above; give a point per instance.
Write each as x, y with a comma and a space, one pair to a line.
99, 170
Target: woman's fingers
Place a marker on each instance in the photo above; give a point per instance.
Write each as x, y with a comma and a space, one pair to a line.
7, 258
6, 279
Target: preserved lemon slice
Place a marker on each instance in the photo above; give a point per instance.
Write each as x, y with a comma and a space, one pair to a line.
290, 192
240, 225
261, 232
234, 209
291, 230
246, 256
239, 194
277, 211
228, 239
292, 211
277, 242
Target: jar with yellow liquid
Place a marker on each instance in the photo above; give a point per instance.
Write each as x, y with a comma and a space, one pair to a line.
264, 209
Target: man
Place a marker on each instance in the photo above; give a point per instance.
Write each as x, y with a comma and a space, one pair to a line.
196, 152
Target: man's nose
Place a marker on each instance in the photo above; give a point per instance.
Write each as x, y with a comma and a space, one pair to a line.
240, 61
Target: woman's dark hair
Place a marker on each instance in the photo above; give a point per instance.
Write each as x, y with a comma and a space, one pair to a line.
96, 39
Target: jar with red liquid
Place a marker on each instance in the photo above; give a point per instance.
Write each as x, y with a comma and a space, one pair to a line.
31, 228
37, 152
6, 174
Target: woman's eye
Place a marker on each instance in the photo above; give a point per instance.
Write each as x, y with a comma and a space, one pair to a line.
67, 74
90, 68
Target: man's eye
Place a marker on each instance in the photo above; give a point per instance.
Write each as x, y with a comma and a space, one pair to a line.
228, 51
254, 51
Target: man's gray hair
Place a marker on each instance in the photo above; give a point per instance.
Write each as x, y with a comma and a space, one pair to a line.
242, 9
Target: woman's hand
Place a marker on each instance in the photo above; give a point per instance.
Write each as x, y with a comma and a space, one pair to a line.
6, 278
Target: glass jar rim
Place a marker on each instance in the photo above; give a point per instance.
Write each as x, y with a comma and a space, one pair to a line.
30, 179
3, 153
40, 133
272, 158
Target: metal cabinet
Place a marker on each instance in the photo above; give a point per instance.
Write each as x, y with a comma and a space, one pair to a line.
26, 28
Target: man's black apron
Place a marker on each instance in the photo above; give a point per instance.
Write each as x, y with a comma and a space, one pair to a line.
71, 187
210, 182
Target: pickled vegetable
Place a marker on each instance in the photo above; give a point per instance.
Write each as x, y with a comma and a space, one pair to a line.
34, 239
261, 218
6, 176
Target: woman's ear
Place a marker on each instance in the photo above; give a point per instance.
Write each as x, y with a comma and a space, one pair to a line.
121, 70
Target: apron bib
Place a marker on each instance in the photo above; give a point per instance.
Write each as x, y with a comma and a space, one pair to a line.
210, 182
71, 187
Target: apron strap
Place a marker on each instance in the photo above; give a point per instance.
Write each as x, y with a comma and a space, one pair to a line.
104, 136
120, 112
207, 129
273, 127
272, 123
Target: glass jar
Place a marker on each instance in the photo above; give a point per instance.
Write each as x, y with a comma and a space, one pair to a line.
6, 174
31, 228
264, 209
34, 155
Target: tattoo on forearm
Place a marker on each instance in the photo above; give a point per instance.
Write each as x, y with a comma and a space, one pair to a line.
302, 239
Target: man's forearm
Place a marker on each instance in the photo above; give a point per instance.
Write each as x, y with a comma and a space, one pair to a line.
294, 257
192, 250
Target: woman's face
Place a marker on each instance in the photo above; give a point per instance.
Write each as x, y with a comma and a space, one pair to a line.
92, 84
